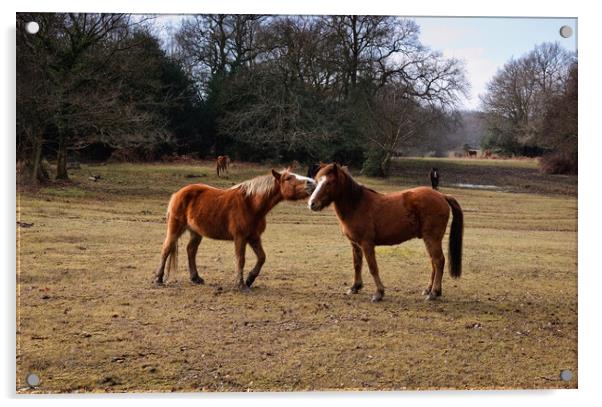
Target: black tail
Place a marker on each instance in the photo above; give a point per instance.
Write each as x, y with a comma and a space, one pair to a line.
455, 237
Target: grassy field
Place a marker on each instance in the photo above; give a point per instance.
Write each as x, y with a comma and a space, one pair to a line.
90, 320
508, 175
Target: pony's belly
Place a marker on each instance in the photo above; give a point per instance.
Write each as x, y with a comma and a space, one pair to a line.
219, 237
393, 240
212, 233
396, 231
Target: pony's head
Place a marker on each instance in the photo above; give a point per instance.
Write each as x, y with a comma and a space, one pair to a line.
329, 179
293, 186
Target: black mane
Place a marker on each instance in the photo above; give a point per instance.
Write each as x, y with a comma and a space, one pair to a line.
355, 189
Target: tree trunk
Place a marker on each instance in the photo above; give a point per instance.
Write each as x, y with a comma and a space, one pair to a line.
61, 159
36, 161
385, 165
38, 173
354, 52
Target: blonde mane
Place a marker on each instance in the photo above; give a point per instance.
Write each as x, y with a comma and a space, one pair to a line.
261, 185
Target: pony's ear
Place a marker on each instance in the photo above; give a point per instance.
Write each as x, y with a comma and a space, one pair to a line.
276, 174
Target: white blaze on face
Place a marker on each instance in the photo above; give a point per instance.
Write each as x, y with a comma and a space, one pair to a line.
302, 178
321, 183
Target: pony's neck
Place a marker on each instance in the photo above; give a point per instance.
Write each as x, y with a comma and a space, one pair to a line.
348, 198
263, 203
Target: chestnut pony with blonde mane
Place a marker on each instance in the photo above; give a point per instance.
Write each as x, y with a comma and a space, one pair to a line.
237, 213
370, 219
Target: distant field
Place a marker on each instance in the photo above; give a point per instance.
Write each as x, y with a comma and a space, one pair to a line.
513, 175
90, 320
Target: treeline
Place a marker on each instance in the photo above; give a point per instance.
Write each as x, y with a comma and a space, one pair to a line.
356, 89
530, 108
97, 80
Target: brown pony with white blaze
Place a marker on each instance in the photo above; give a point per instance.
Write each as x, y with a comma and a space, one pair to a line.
370, 219
237, 214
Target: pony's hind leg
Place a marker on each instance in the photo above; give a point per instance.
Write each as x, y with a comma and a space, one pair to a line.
357, 268
191, 250
258, 249
161, 269
170, 248
433, 246
428, 289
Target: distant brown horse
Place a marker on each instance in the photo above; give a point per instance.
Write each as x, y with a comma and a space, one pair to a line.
237, 214
221, 164
487, 154
370, 219
471, 153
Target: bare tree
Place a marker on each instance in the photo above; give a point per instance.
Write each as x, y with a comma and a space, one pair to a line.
213, 45
293, 83
560, 128
81, 84
516, 97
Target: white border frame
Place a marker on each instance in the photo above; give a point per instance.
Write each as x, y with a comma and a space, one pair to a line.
589, 219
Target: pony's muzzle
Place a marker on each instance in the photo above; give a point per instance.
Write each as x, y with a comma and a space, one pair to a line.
314, 206
310, 186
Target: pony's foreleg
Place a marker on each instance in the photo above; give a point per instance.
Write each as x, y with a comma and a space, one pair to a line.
240, 245
258, 249
433, 246
368, 249
357, 267
191, 250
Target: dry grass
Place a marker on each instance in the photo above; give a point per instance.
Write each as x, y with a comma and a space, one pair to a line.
89, 319
510, 175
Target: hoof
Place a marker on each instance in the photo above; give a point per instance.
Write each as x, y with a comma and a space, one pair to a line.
159, 283
249, 282
243, 288
432, 296
378, 296
197, 280
354, 289
426, 291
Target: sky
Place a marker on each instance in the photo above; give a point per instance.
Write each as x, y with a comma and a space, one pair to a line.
485, 44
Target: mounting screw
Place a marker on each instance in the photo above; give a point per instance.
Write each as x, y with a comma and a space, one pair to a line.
33, 380
32, 27
566, 375
566, 31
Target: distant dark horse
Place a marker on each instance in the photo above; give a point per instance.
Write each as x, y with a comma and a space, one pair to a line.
312, 170
434, 175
